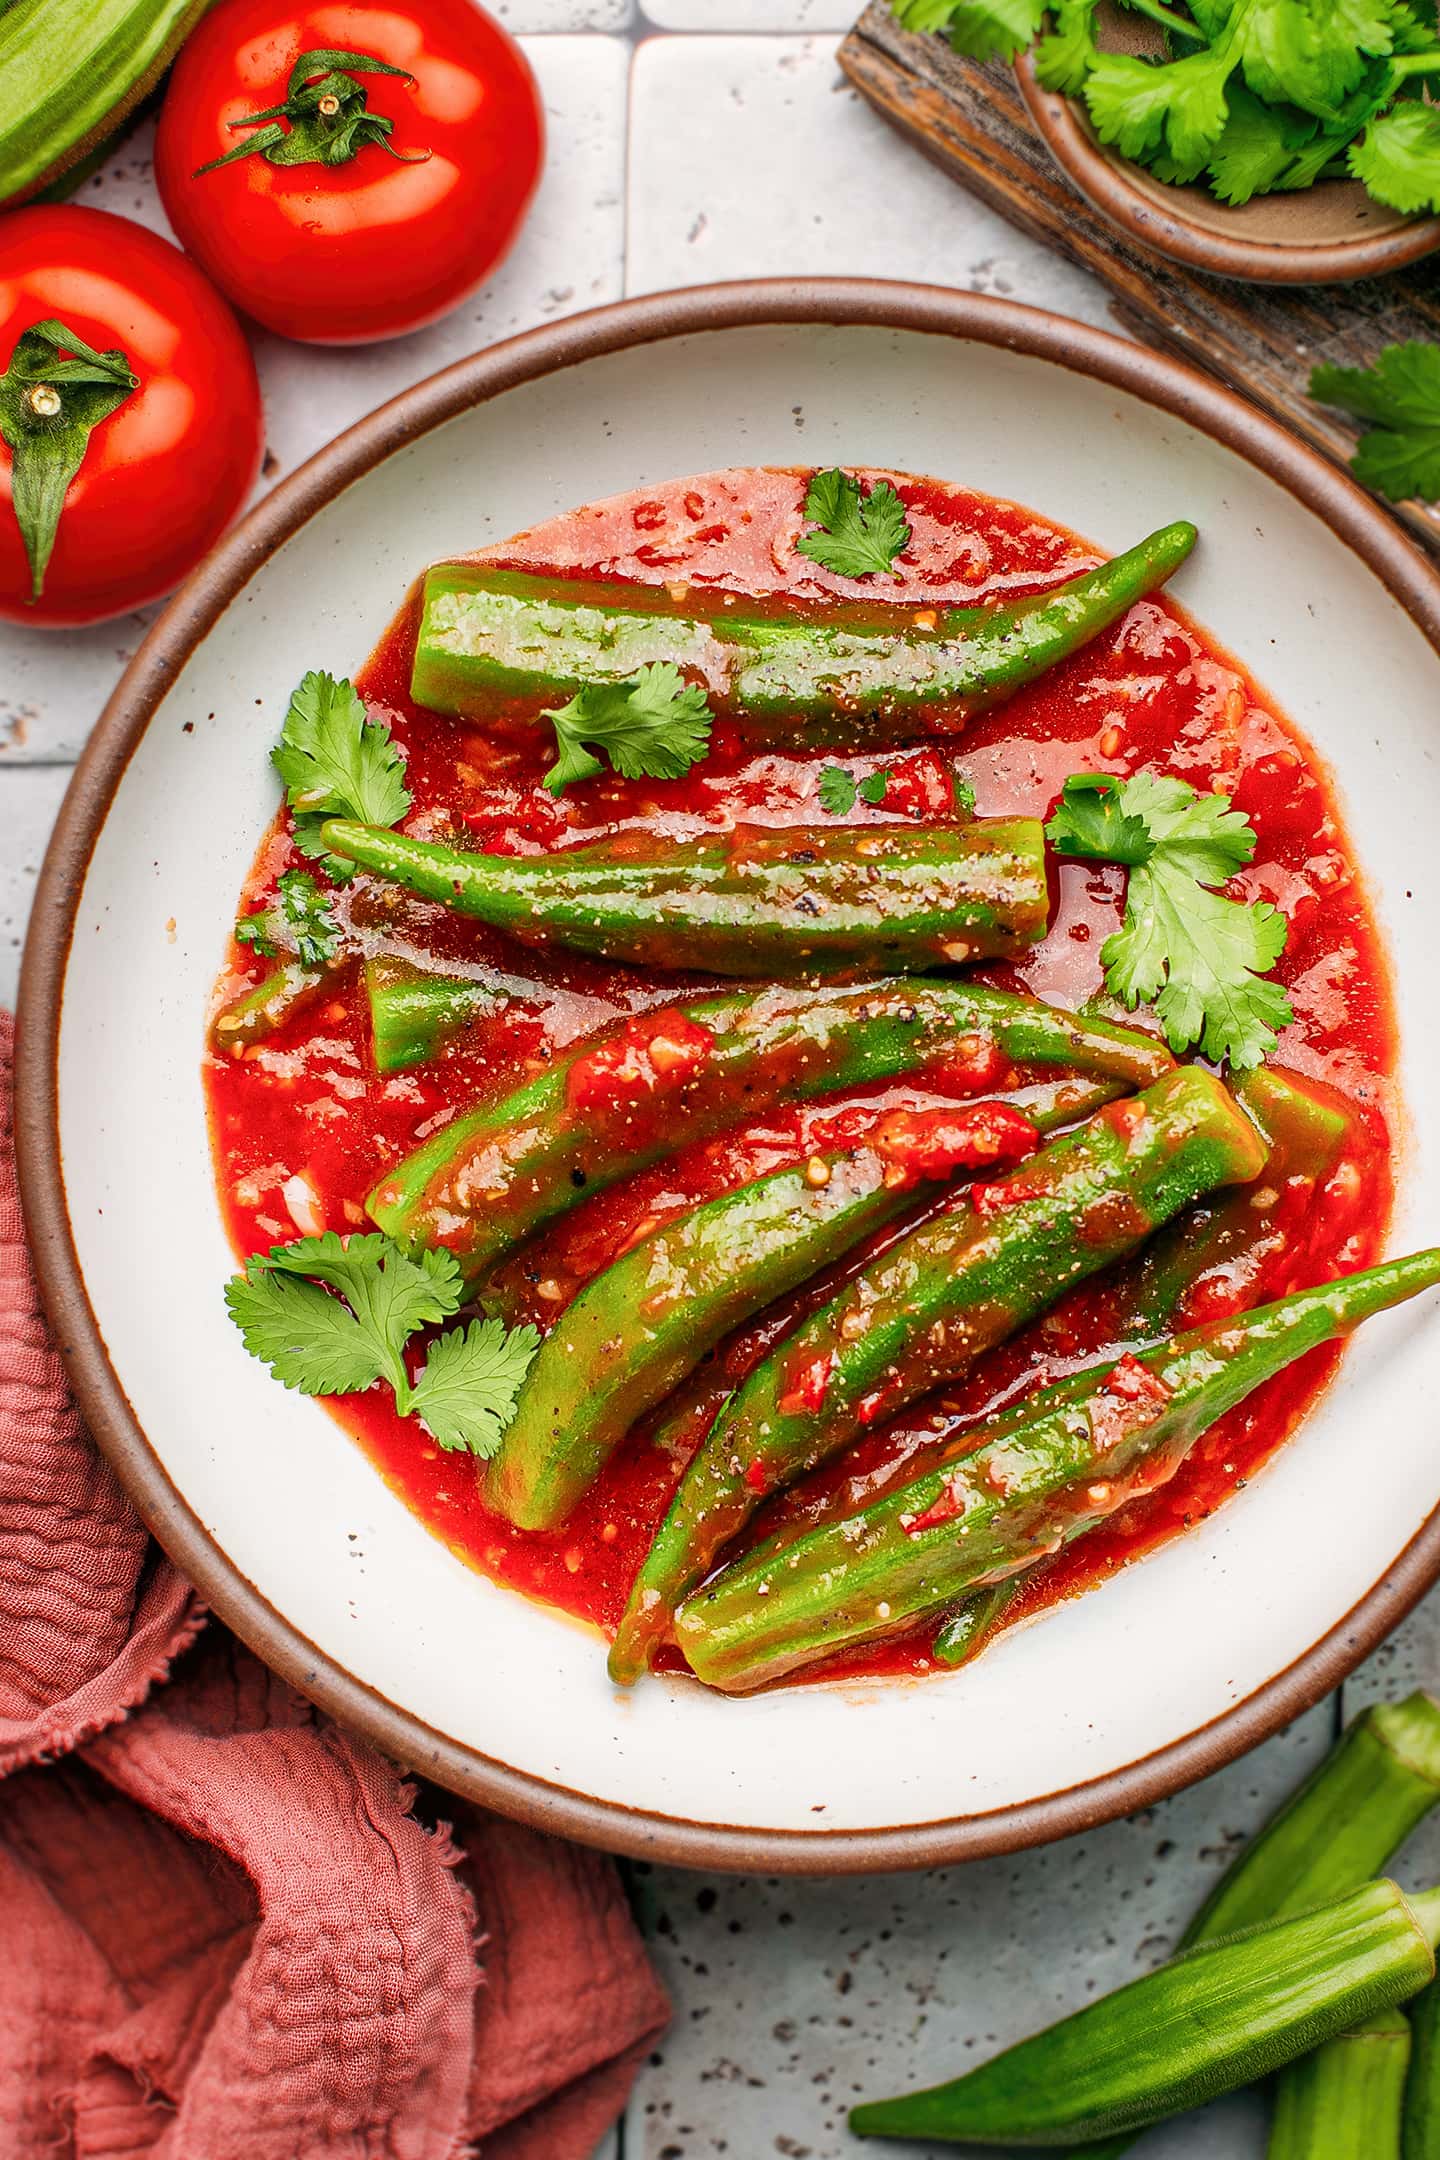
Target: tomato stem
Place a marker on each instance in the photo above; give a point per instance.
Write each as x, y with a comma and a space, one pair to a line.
327, 111
55, 391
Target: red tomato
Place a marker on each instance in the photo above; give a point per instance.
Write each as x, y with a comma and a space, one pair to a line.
380, 243
165, 472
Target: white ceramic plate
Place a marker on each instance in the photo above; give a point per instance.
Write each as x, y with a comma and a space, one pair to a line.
1123, 1695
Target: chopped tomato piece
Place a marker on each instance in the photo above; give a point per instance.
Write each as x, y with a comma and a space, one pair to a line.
654, 1052
807, 1391
936, 1143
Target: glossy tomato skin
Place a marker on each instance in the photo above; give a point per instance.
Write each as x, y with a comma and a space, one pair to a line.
167, 471
374, 247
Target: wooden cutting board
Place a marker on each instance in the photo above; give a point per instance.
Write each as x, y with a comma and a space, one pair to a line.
1261, 340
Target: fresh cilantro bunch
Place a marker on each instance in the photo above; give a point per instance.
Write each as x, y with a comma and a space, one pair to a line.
298, 925
331, 1316
1400, 455
1249, 96
1189, 950
858, 535
336, 762
653, 726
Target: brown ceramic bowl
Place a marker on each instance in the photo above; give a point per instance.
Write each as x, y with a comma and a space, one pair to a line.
292, 1536
1323, 235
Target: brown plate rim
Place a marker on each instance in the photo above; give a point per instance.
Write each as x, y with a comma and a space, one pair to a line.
1158, 381
1102, 180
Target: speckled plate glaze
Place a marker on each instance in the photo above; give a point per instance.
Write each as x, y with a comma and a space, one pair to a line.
1094, 1709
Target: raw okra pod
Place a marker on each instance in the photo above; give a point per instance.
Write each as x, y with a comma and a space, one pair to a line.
1420, 2119
1344, 2100
1214, 2019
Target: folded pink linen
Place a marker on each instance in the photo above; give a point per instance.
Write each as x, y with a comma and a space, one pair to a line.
229, 1930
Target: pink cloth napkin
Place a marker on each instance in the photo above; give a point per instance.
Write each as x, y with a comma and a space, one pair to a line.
228, 1929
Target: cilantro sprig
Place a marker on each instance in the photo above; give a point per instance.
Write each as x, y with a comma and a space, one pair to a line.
1191, 951
653, 726
299, 924
1400, 455
857, 535
332, 1315
1251, 96
336, 762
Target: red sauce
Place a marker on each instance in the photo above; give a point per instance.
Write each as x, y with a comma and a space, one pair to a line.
1153, 692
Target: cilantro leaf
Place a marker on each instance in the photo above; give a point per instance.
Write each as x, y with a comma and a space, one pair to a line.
1259, 151
307, 1338
332, 1315
653, 726
1311, 56
837, 790
299, 922
1400, 456
981, 29
465, 1397
859, 535
1065, 57
1090, 820
1177, 107
337, 762
1398, 157
840, 791
963, 792
1195, 954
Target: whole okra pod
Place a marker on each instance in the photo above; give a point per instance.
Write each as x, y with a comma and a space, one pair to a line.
622, 1100
414, 1013
1341, 1827
873, 675
1215, 2018
1344, 2100
927, 1308
808, 900
643, 1323
1017, 1490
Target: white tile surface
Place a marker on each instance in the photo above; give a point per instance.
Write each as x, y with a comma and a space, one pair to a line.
747, 156
797, 1998
569, 256
771, 15
752, 157
29, 799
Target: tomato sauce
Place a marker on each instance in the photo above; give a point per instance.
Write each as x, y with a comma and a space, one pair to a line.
303, 1125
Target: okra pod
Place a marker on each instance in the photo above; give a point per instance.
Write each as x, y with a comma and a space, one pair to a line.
1374, 1787
413, 1014
1420, 2121
807, 900
963, 1633
1212, 2020
1042, 1475
1231, 1240
872, 675
263, 1009
1337, 1831
625, 1099
642, 1324
928, 1307
1343, 2101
